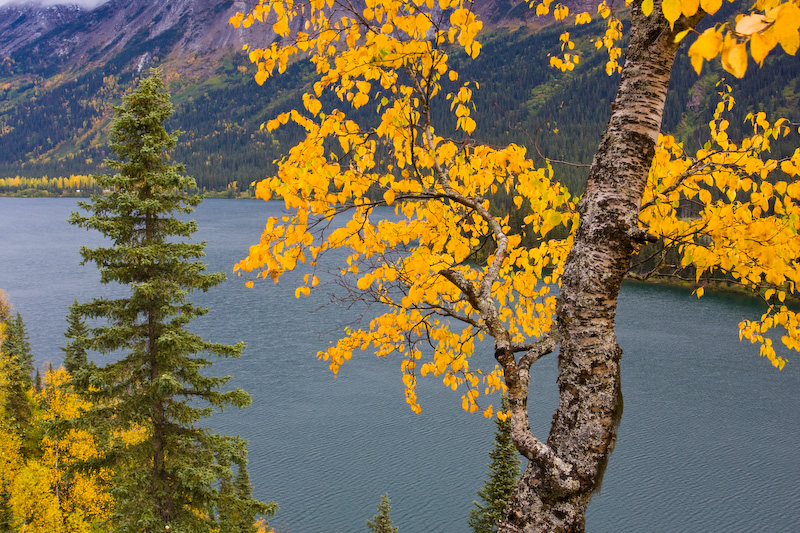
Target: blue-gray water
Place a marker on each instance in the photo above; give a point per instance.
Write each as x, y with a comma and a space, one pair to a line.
708, 441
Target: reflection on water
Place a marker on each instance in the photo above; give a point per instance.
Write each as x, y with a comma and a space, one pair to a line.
707, 443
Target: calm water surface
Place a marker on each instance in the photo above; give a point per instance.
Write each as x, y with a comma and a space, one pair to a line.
708, 441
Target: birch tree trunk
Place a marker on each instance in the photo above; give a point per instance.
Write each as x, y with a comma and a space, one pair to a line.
562, 475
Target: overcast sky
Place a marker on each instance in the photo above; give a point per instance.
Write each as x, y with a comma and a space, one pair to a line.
85, 3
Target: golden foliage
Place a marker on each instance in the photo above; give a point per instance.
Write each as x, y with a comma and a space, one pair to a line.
73, 184
44, 494
446, 270
771, 22
436, 186
749, 216
85, 496
32, 501
767, 24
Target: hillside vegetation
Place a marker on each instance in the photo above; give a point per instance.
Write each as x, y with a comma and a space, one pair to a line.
54, 121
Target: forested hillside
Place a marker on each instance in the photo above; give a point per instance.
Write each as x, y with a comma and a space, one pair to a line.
54, 112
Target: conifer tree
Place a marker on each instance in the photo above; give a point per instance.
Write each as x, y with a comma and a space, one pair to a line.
17, 362
238, 510
381, 522
5, 312
159, 384
9, 441
75, 357
16, 345
499, 485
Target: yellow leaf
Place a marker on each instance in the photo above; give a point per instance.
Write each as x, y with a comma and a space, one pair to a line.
689, 7
681, 35
760, 46
364, 282
707, 46
699, 292
474, 49
751, 24
312, 104
710, 6
236, 20
672, 10
647, 7
249, 284
468, 125
734, 56
360, 99
388, 197
281, 26
305, 291
787, 22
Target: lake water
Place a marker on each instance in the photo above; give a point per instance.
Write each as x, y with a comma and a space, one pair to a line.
708, 442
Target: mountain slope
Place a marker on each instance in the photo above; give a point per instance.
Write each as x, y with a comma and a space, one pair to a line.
64, 68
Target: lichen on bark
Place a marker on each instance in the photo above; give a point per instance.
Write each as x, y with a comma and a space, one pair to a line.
583, 432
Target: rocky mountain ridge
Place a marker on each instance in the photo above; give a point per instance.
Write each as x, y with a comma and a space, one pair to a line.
23, 24
65, 37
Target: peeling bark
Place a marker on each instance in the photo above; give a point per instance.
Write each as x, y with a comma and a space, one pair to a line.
562, 474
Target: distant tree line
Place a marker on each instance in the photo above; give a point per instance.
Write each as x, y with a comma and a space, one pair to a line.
44, 186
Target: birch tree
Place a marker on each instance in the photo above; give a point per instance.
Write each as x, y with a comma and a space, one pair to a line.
449, 269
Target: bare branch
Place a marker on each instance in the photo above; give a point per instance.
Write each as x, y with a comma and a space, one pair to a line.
537, 350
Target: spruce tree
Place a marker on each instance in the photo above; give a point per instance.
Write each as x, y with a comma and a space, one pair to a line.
16, 345
238, 510
500, 483
17, 361
159, 385
75, 357
5, 313
381, 522
7, 429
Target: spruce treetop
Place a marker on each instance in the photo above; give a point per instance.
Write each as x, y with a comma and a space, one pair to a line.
382, 522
